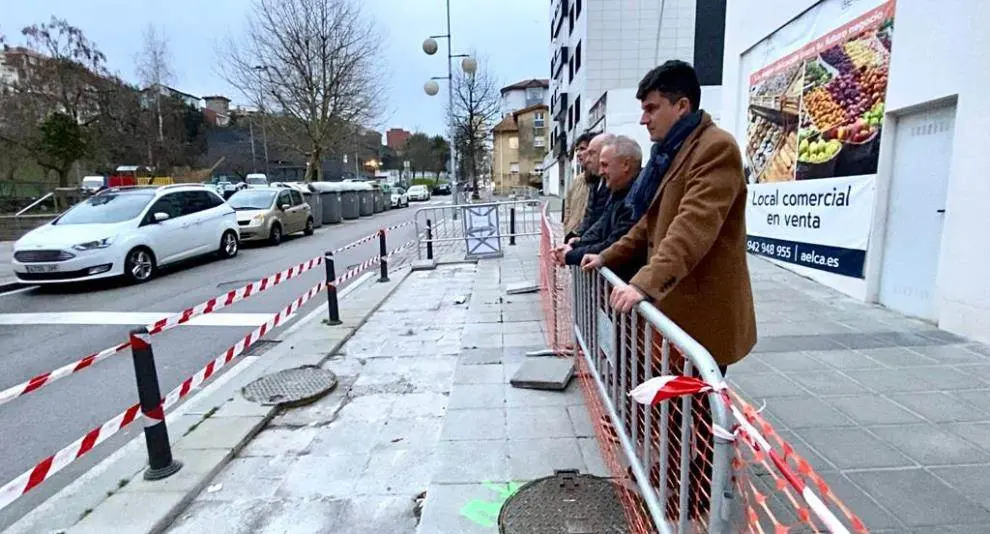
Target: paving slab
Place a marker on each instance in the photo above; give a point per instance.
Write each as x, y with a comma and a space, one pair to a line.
550, 373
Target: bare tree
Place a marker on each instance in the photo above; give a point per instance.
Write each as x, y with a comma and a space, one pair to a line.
314, 62
154, 70
57, 96
476, 107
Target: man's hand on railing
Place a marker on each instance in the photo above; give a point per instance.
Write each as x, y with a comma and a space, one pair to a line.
590, 262
560, 253
625, 298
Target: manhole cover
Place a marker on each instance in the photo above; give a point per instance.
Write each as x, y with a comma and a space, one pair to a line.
295, 386
566, 503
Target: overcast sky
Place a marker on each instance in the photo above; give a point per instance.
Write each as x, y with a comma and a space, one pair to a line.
511, 35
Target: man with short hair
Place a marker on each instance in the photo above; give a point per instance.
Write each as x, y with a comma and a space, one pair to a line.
597, 192
576, 199
692, 198
619, 164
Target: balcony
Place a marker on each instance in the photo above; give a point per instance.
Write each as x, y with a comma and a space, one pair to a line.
558, 62
559, 15
558, 107
560, 145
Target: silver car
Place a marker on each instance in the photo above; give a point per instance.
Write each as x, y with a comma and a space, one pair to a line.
270, 213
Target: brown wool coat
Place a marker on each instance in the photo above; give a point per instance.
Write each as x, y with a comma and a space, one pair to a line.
695, 236
575, 204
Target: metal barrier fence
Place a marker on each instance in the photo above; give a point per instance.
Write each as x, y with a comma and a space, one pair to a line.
443, 230
680, 467
700, 458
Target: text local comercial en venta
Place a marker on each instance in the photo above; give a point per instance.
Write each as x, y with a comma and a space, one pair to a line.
835, 198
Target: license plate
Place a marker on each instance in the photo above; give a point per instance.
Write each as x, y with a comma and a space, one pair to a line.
42, 268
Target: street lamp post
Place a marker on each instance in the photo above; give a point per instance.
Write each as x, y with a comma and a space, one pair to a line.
261, 108
432, 88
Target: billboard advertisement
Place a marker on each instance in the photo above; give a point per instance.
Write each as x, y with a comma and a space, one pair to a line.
814, 118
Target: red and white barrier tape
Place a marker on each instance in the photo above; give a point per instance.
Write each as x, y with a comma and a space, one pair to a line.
238, 348
43, 380
354, 272
233, 296
661, 388
210, 306
45, 469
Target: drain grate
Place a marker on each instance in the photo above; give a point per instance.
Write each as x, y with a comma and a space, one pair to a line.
565, 503
291, 387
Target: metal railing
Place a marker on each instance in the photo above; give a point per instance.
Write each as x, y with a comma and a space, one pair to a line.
680, 467
445, 228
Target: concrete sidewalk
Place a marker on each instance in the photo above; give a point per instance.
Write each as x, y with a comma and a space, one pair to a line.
893, 413
424, 434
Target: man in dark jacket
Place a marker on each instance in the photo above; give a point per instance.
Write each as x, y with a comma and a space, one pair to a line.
619, 163
597, 190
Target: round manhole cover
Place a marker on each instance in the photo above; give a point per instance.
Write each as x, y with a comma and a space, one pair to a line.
299, 385
566, 503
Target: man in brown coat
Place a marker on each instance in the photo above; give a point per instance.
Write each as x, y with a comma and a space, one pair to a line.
576, 199
694, 228
690, 205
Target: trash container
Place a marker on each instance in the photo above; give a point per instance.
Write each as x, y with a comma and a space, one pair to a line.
315, 205
378, 196
329, 194
367, 198
350, 202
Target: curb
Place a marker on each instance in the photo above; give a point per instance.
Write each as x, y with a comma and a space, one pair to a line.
229, 423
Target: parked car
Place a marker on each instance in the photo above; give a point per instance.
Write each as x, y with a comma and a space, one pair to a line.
256, 180
127, 231
442, 189
399, 197
271, 213
418, 192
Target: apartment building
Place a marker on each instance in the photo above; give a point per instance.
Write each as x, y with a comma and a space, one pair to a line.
519, 147
602, 45
523, 95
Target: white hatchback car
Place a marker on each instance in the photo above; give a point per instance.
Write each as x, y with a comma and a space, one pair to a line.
418, 192
127, 231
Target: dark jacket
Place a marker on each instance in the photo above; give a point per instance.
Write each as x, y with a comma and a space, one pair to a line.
597, 198
614, 222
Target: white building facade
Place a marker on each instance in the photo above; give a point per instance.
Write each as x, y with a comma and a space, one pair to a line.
523, 95
863, 126
601, 45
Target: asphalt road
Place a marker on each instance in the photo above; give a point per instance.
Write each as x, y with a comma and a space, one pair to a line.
39, 424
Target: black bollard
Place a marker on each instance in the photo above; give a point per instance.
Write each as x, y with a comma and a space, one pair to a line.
160, 462
429, 239
332, 305
512, 226
382, 256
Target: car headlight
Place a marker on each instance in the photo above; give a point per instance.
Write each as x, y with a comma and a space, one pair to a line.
93, 245
258, 219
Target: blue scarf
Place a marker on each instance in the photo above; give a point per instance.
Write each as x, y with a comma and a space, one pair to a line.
645, 187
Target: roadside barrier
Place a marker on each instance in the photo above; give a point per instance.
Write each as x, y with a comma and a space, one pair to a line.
166, 323
484, 220
697, 454
160, 458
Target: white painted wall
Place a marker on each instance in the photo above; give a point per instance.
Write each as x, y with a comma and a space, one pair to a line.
939, 52
513, 101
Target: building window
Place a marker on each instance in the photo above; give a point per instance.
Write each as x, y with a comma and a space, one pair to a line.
539, 120
570, 118
577, 9
534, 95
514, 168
570, 70
577, 58
514, 143
577, 109
570, 21
539, 141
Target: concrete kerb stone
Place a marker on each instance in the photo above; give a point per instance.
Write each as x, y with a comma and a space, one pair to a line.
114, 494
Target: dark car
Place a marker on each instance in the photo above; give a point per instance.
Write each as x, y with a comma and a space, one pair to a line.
442, 189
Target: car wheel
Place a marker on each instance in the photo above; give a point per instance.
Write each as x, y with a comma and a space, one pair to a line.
139, 265
228, 245
310, 228
275, 236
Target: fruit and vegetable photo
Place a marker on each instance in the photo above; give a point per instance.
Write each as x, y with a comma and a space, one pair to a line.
823, 116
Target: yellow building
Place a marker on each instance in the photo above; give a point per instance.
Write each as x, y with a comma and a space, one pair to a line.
520, 143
